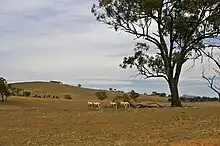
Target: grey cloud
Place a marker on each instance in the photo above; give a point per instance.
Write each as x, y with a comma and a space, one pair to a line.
57, 17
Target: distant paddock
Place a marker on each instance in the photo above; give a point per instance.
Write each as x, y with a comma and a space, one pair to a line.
34, 121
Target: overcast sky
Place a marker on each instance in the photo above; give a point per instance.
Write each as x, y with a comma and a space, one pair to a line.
61, 40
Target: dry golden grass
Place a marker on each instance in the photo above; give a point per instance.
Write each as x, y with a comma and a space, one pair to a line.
33, 121
29, 121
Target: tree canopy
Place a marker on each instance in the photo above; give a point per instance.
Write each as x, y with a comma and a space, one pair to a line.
176, 29
4, 89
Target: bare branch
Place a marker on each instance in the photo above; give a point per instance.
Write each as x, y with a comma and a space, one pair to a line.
210, 82
148, 74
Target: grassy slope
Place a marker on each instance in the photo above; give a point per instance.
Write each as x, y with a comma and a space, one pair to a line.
45, 88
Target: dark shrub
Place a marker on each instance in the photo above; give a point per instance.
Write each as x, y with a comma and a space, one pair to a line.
26, 93
101, 95
67, 96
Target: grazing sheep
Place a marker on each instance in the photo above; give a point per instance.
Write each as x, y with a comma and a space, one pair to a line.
90, 104
125, 104
96, 104
113, 104
93, 104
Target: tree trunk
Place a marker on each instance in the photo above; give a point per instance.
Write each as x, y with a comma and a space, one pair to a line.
6, 97
175, 100
2, 97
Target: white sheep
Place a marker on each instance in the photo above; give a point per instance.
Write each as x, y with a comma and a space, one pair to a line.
113, 104
125, 104
90, 104
96, 104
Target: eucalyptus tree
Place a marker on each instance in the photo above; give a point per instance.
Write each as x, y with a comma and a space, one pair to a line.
181, 28
4, 89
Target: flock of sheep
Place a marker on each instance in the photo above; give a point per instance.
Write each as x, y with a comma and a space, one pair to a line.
113, 104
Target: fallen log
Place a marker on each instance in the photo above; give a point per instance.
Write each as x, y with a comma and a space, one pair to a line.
148, 105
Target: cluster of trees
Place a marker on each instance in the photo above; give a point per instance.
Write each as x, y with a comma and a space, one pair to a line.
177, 30
45, 96
154, 93
197, 99
111, 89
14, 91
102, 95
26, 93
56, 82
115, 90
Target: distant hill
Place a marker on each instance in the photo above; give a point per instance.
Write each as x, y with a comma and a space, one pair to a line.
47, 88
188, 96
78, 93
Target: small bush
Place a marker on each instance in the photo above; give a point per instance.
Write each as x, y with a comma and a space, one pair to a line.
134, 95
79, 85
67, 96
101, 95
26, 93
123, 97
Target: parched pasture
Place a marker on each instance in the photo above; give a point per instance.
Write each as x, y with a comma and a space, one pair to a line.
32, 121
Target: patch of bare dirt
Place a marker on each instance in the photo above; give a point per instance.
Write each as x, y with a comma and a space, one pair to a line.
199, 142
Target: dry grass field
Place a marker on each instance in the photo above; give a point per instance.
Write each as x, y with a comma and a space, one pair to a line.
35, 121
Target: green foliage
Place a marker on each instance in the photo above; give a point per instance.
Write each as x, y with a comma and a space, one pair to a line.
4, 89
26, 93
15, 91
67, 96
123, 97
101, 95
